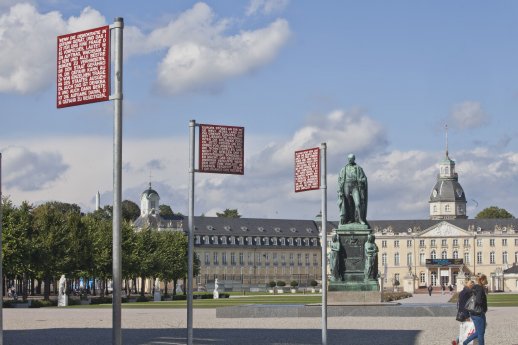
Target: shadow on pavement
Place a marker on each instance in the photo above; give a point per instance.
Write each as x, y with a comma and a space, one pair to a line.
204, 336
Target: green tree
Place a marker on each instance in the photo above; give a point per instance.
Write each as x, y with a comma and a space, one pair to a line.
130, 210
145, 255
56, 242
166, 211
493, 212
229, 213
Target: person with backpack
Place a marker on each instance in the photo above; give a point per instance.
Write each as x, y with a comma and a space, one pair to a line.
478, 312
462, 314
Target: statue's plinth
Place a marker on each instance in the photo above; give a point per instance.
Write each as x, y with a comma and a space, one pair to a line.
354, 286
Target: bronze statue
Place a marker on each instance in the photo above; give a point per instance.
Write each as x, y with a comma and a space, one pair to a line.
352, 193
371, 258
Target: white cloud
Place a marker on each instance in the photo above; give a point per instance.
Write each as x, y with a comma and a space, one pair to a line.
28, 45
266, 7
468, 115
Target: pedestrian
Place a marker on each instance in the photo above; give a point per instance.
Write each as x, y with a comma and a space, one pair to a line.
466, 325
443, 288
430, 289
479, 318
451, 289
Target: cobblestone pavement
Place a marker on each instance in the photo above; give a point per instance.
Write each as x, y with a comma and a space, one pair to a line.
49, 326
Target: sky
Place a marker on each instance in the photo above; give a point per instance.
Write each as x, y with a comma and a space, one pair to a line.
378, 79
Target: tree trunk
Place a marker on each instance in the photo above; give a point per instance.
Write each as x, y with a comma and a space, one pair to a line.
175, 282
142, 286
101, 288
135, 285
46, 288
24, 287
94, 292
165, 287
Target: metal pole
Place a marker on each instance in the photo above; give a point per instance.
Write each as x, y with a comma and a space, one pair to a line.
118, 27
323, 187
192, 134
1, 261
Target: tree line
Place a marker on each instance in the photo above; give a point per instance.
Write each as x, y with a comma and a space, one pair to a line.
42, 242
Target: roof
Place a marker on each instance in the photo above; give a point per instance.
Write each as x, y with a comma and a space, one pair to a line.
150, 191
511, 270
447, 190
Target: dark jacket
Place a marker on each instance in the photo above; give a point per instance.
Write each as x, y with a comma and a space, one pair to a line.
463, 298
480, 297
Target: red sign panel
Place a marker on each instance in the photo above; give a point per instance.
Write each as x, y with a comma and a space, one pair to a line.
221, 149
307, 169
83, 67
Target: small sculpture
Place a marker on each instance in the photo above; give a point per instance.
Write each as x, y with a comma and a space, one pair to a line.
371, 258
334, 259
216, 293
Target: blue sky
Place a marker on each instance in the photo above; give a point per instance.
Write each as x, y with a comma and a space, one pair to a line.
377, 78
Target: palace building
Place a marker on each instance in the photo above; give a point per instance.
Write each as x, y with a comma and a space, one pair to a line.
247, 253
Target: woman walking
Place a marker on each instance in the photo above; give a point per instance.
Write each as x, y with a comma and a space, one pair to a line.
462, 313
479, 319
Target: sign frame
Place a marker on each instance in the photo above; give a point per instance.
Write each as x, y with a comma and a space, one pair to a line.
201, 146
315, 150
105, 57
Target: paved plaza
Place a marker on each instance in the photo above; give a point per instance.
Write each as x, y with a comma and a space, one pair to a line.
79, 326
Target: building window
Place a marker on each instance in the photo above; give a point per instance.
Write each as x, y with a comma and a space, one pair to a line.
492, 257
409, 243
466, 242
422, 258
422, 278
434, 208
479, 258
215, 258
444, 255
258, 259
224, 258
299, 259
207, 259
516, 242
444, 243
396, 244
491, 242
455, 254
409, 260
384, 259
283, 259
447, 208
504, 242
504, 258
241, 259
479, 242
455, 242
421, 244
396, 259
292, 262
396, 277
307, 259
384, 244
275, 261
315, 260
432, 243
250, 259
466, 258
232, 258
516, 258
266, 259
433, 255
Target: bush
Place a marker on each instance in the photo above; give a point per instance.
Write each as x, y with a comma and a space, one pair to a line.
281, 283
272, 284
394, 296
313, 283
142, 299
40, 303
294, 283
101, 300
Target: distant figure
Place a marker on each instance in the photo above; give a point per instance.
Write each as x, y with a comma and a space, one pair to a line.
62, 285
443, 288
352, 193
451, 289
430, 289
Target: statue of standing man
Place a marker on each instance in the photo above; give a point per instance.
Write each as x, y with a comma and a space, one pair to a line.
352, 193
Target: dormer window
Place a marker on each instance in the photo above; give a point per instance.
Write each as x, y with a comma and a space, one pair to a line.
227, 228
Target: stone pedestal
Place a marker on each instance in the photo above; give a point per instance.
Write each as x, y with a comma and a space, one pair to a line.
352, 238
408, 283
157, 296
62, 300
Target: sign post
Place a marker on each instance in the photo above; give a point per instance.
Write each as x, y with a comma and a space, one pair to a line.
221, 151
83, 76
1, 259
311, 174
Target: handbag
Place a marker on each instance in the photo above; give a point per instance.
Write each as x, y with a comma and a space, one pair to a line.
472, 307
461, 316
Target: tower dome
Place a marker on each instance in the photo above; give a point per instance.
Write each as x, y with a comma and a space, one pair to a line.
447, 199
149, 201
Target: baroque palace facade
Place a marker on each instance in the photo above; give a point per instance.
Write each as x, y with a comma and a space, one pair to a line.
247, 253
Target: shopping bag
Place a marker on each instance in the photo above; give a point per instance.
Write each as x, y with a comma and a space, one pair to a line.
467, 328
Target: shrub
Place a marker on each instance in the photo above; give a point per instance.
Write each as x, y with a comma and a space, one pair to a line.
180, 297
40, 303
281, 283
101, 300
394, 296
142, 299
272, 284
313, 283
294, 283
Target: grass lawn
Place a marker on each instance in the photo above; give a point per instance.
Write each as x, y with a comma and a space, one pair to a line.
222, 302
502, 300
